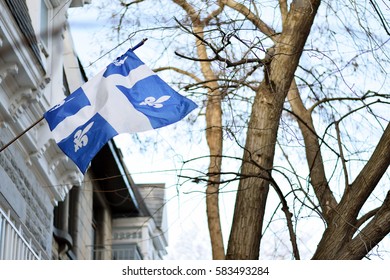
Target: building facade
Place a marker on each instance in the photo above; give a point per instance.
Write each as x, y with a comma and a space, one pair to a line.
48, 209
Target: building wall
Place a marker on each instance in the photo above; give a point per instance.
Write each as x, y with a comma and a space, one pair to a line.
23, 196
61, 213
35, 174
102, 223
141, 231
83, 233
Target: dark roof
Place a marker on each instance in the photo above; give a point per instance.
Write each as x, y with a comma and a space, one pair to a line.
114, 182
20, 12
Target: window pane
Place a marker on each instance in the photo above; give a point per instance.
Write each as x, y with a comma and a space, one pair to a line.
44, 23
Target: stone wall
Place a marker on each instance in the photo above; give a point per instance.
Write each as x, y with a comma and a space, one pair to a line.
29, 201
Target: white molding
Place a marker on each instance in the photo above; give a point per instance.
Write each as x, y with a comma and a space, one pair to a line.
55, 169
27, 91
8, 69
11, 35
140, 230
19, 100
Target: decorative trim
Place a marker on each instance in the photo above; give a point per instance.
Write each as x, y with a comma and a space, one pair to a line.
19, 101
7, 69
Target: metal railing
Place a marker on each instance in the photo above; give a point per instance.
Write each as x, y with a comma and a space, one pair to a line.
13, 246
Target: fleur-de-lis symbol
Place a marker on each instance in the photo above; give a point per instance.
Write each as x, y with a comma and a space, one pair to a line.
80, 137
118, 62
151, 101
60, 104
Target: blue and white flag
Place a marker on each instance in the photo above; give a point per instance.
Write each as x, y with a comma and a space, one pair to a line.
126, 97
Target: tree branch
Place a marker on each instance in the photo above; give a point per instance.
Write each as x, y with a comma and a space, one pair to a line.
369, 176
214, 13
313, 153
370, 235
343, 161
180, 71
364, 97
124, 4
213, 130
215, 51
366, 217
191, 12
283, 10
222, 59
381, 17
285, 209
261, 25
313, 206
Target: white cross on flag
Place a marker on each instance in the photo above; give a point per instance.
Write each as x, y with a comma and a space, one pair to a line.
126, 97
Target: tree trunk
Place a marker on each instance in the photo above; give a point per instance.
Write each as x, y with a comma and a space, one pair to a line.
244, 241
213, 132
245, 236
214, 141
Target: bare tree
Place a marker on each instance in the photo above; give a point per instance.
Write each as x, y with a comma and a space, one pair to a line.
315, 78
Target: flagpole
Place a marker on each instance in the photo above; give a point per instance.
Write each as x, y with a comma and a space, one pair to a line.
34, 124
139, 44
21, 134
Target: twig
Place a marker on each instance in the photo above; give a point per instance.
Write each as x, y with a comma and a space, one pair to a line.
343, 161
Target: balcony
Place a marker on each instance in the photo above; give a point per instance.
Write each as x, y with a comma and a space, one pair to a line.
13, 246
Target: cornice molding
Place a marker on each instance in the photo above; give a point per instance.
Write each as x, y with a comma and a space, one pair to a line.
16, 51
8, 69
56, 169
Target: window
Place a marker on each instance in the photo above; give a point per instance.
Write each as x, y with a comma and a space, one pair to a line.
126, 252
44, 23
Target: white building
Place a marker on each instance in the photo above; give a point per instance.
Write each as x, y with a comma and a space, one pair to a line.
48, 209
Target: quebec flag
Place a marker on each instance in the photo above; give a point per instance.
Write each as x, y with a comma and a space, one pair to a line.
126, 97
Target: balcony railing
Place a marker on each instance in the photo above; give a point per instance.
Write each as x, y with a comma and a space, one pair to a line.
118, 252
13, 246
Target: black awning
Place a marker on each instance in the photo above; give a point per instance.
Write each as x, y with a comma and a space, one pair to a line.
115, 184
